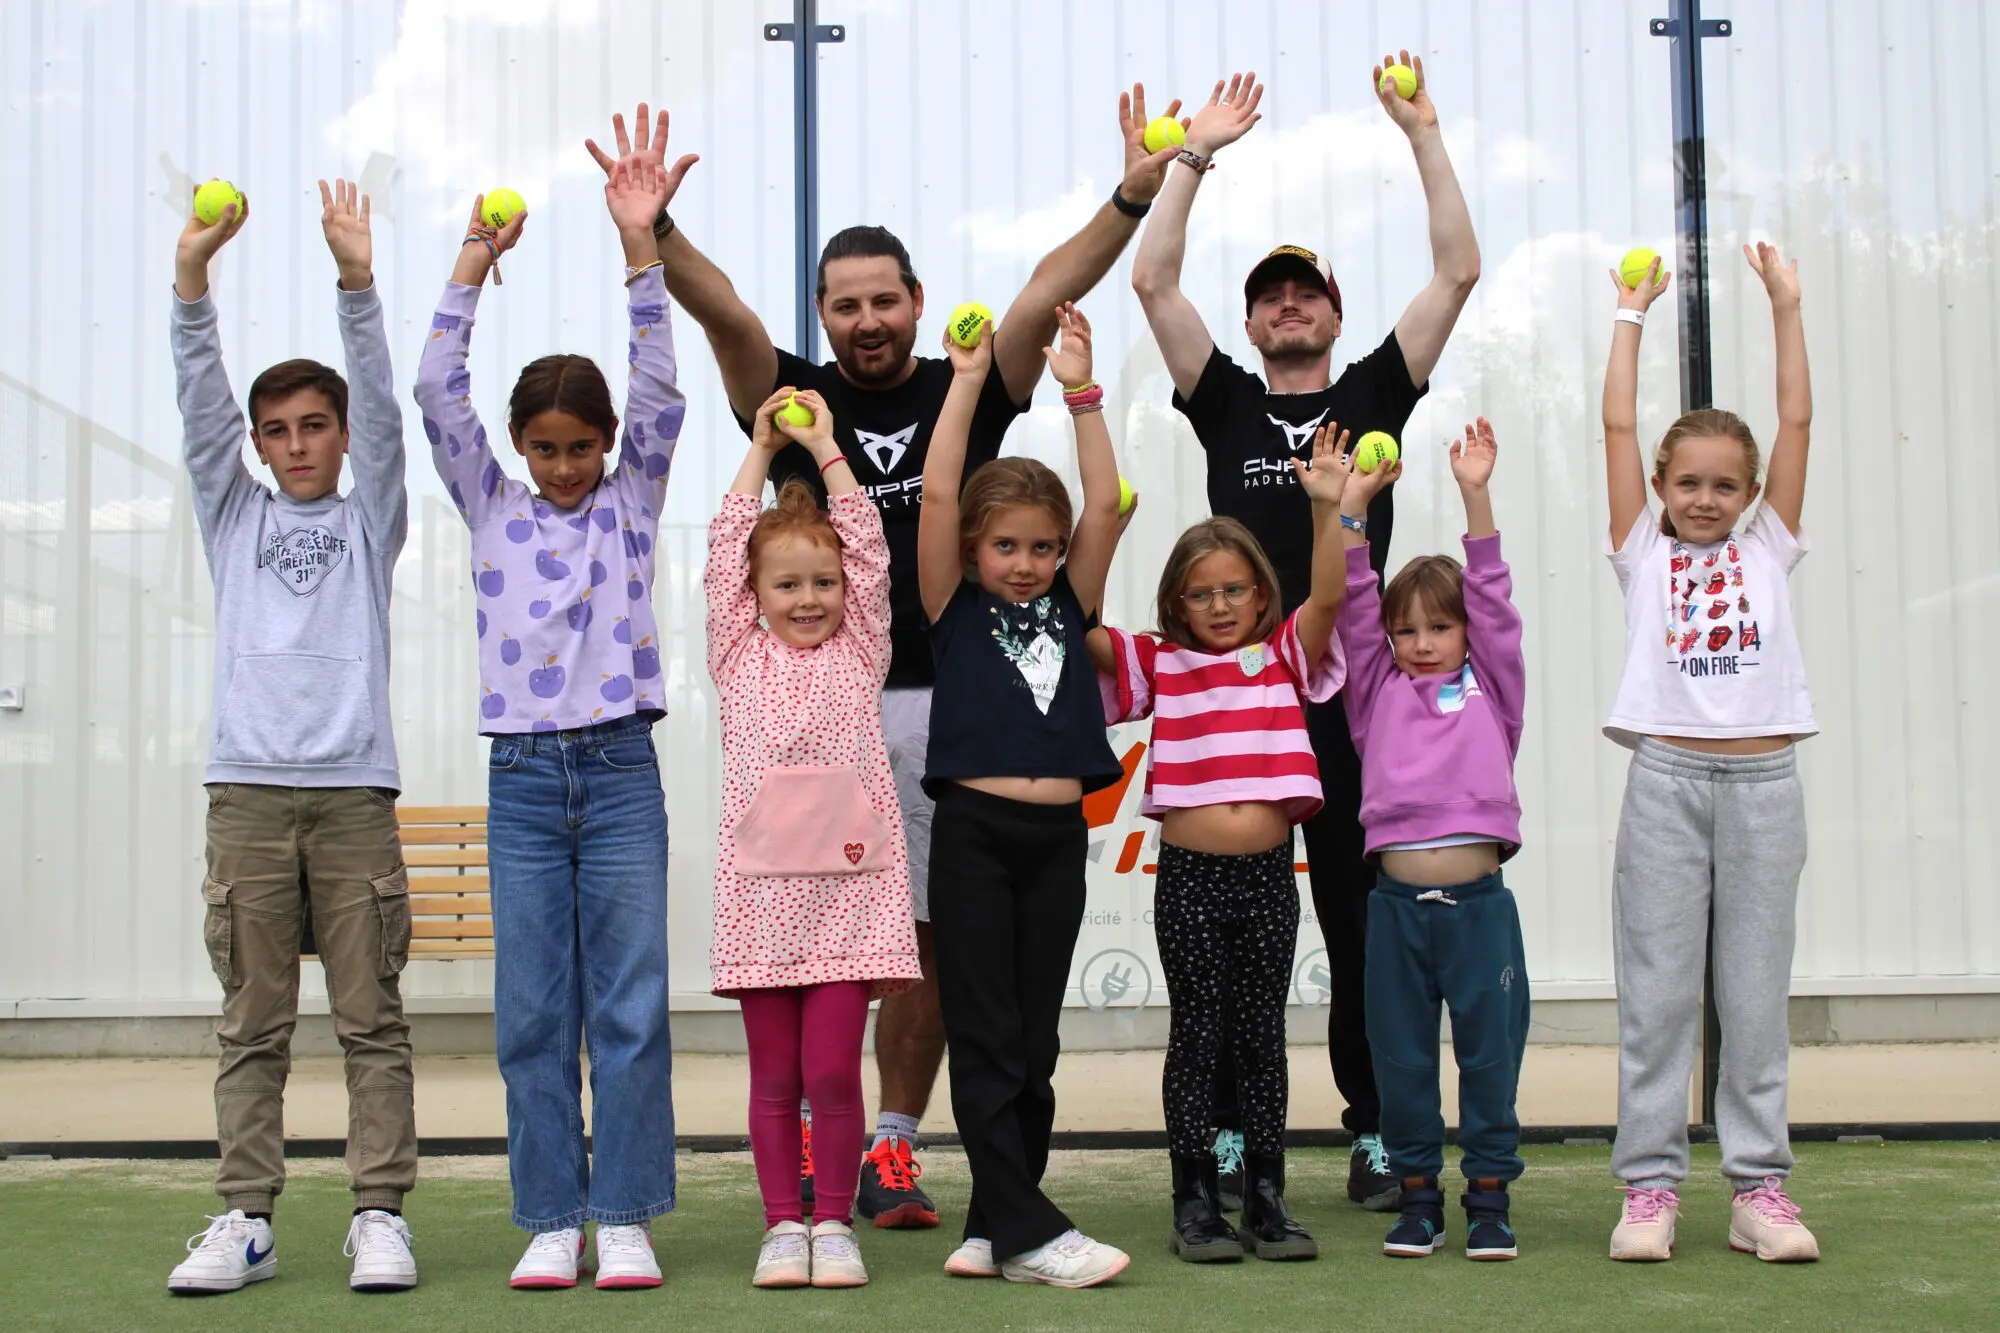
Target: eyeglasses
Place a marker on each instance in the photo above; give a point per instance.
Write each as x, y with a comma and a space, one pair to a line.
1235, 594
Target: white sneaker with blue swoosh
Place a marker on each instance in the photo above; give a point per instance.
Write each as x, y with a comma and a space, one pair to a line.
379, 1244
234, 1251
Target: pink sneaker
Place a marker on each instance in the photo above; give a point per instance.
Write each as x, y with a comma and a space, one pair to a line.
1645, 1234
1765, 1222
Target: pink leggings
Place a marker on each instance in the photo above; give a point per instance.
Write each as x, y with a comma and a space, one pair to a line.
806, 1041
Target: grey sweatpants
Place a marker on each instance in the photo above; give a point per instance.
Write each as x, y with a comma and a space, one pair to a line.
1702, 833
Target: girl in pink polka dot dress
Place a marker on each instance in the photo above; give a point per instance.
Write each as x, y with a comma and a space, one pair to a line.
812, 890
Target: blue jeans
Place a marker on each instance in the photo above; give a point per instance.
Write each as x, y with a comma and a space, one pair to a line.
577, 836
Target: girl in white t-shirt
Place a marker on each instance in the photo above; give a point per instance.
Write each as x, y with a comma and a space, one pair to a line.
1713, 826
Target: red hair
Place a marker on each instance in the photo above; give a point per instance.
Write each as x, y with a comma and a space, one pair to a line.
797, 515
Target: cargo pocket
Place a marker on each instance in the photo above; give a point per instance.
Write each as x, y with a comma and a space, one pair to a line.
392, 902
811, 819
215, 931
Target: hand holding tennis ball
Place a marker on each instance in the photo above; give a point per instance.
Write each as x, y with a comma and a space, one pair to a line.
1127, 497
498, 207
1400, 77
1400, 88
226, 209
1637, 288
1637, 266
795, 413
1164, 132
214, 196
1375, 449
967, 321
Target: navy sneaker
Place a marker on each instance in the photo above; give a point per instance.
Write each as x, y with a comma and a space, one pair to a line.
1229, 1168
1487, 1233
1419, 1232
889, 1191
806, 1160
1368, 1180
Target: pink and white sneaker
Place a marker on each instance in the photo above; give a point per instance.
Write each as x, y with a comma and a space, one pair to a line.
1765, 1222
1645, 1234
625, 1257
551, 1260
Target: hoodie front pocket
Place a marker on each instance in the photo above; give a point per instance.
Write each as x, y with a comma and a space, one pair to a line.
811, 819
295, 708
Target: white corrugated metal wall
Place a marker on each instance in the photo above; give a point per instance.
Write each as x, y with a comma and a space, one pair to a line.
1860, 136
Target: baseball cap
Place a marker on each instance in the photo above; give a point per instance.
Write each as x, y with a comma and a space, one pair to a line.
1290, 261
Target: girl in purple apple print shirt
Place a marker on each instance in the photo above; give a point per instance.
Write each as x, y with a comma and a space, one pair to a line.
570, 687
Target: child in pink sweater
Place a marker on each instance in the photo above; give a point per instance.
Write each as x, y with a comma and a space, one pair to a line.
812, 891
1435, 691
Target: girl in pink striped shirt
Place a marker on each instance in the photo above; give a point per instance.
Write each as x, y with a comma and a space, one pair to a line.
1230, 773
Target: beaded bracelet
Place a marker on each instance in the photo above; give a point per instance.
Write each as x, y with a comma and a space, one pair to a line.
492, 249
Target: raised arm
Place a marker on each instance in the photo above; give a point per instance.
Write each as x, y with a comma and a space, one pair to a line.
940, 560
1624, 466
1324, 482
654, 405
1428, 320
1095, 540
1067, 273
1369, 659
459, 451
1785, 478
374, 421
1183, 339
211, 422
1492, 624
742, 346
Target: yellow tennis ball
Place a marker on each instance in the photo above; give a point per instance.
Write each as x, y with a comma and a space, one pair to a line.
213, 197
965, 323
1127, 497
1403, 77
1375, 449
500, 207
1632, 269
795, 413
1162, 131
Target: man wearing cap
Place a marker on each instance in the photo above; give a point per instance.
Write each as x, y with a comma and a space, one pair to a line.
1251, 428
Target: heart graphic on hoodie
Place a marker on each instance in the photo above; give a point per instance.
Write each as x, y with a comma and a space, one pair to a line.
303, 557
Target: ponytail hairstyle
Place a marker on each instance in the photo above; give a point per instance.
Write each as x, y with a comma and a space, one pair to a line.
563, 383
1011, 483
1196, 544
796, 514
1702, 424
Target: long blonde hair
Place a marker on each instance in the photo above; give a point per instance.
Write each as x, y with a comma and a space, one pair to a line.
1196, 544
1703, 424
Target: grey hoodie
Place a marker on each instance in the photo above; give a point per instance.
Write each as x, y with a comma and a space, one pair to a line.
301, 590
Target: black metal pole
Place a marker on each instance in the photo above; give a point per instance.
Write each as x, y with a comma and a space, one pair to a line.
1686, 28
805, 34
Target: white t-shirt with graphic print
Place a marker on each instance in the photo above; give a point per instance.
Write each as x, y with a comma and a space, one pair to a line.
1710, 647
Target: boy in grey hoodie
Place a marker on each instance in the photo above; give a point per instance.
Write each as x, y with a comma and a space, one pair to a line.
302, 777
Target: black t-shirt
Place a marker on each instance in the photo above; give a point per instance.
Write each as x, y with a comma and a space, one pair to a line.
1016, 695
1251, 435
886, 434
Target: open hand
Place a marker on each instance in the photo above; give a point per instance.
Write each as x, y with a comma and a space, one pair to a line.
975, 360
1228, 115
1069, 355
1325, 478
1781, 280
651, 146
1472, 458
344, 219
635, 193
1417, 114
1144, 171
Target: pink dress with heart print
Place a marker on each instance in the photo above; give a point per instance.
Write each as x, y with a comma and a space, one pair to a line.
811, 881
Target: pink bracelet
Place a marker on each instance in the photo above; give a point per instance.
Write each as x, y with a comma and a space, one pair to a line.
1086, 400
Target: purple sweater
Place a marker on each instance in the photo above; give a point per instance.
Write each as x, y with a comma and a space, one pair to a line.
565, 608
1437, 752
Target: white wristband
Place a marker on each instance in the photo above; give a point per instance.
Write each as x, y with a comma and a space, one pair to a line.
1624, 316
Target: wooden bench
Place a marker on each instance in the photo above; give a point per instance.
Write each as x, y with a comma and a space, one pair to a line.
451, 911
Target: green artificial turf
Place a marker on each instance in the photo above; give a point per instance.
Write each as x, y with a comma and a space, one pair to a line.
1904, 1228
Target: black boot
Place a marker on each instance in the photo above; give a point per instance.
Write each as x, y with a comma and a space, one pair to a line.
1268, 1229
1201, 1234
1488, 1234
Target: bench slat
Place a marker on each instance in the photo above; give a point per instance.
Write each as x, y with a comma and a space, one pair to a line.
446, 834
425, 949
468, 904
444, 856
441, 814
481, 929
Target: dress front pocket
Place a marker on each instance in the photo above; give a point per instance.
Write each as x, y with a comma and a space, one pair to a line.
811, 819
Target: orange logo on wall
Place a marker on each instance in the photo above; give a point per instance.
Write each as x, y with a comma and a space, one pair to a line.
1100, 809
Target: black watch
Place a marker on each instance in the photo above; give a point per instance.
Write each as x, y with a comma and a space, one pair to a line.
662, 226
1127, 206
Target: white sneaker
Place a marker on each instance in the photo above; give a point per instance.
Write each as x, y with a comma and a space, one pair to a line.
625, 1257
1070, 1260
1765, 1222
973, 1259
836, 1257
785, 1258
551, 1260
234, 1251
379, 1244
1645, 1232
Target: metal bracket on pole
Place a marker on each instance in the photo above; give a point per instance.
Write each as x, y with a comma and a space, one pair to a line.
1697, 369
805, 175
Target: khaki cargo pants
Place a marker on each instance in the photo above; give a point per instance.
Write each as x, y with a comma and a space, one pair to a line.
275, 855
